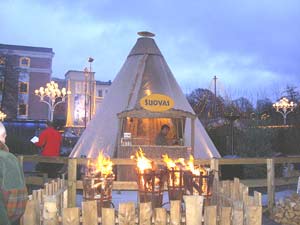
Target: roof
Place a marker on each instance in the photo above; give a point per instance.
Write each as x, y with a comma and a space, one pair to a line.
26, 48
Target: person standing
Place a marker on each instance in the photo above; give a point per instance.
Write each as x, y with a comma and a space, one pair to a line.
13, 191
50, 142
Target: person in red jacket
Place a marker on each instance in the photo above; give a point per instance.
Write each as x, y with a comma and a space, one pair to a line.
50, 141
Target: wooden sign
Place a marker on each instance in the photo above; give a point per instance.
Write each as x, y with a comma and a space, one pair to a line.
157, 102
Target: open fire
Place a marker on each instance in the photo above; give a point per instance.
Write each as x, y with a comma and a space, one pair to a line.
150, 180
186, 178
98, 180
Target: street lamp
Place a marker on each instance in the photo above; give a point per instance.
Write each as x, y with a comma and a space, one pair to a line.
2, 116
284, 107
86, 74
54, 94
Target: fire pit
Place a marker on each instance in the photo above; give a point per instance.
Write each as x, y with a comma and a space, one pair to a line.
186, 179
150, 180
98, 181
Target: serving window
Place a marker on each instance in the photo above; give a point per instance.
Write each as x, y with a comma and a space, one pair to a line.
143, 131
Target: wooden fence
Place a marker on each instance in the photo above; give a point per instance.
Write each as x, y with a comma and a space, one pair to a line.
229, 204
73, 184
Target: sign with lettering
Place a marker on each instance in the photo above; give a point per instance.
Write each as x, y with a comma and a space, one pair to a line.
157, 102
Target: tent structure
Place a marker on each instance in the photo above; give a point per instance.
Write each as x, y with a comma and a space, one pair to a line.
144, 72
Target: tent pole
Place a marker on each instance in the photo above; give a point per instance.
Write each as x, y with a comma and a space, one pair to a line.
193, 136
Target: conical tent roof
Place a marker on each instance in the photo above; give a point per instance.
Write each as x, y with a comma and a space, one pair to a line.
144, 69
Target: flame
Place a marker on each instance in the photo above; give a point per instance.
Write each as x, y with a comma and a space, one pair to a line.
143, 163
180, 164
102, 167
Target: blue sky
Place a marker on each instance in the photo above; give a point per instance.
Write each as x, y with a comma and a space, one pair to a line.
253, 46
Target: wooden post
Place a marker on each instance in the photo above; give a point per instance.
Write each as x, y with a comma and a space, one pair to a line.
108, 216
21, 159
89, 213
72, 172
253, 215
271, 184
160, 216
225, 218
175, 212
32, 213
210, 215
145, 213
257, 198
193, 209
50, 211
71, 216
127, 213
193, 135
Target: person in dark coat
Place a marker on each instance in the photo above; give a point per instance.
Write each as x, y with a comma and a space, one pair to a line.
13, 192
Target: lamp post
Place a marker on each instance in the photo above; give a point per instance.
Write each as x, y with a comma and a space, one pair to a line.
2, 116
284, 107
90, 60
54, 94
86, 74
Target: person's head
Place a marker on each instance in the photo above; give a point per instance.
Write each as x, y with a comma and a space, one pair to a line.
165, 129
2, 133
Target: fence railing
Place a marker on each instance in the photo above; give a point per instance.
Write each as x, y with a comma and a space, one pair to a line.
73, 184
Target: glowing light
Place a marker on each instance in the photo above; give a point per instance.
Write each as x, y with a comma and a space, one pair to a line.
284, 107
2, 116
54, 94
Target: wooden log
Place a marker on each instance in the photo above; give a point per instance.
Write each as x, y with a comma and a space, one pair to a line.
237, 216
253, 215
71, 216
175, 212
127, 213
271, 184
160, 216
193, 209
145, 213
225, 216
72, 170
50, 216
257, 198
89, 213
32, 213
236, 188
108, 216
210, 215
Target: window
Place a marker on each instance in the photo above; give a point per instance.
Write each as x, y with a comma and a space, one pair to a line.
2, 60
22, 110
78, 88
106, 91
100, 93
23, 87
24, 62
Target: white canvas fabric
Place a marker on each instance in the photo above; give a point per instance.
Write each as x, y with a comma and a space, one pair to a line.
144, 69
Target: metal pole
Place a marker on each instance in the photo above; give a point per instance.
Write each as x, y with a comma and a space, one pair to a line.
215, 97
90, 83
85, 98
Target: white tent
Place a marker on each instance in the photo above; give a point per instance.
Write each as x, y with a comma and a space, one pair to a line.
144, 69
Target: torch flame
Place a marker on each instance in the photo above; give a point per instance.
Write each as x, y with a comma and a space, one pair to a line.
143, 163
102, 167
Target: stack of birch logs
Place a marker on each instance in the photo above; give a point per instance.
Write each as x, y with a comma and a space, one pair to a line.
287, 211
232, 198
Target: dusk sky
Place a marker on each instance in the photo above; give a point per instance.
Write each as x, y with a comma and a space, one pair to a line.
253, 46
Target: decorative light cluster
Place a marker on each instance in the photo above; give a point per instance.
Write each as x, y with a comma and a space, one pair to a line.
55, 95
52, 91
284, 107
2, 116
284, 104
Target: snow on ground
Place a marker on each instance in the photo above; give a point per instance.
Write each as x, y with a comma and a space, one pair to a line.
278, 195
123, 197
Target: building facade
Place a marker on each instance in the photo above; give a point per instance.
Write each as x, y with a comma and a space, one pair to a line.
86, 96
23, 69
